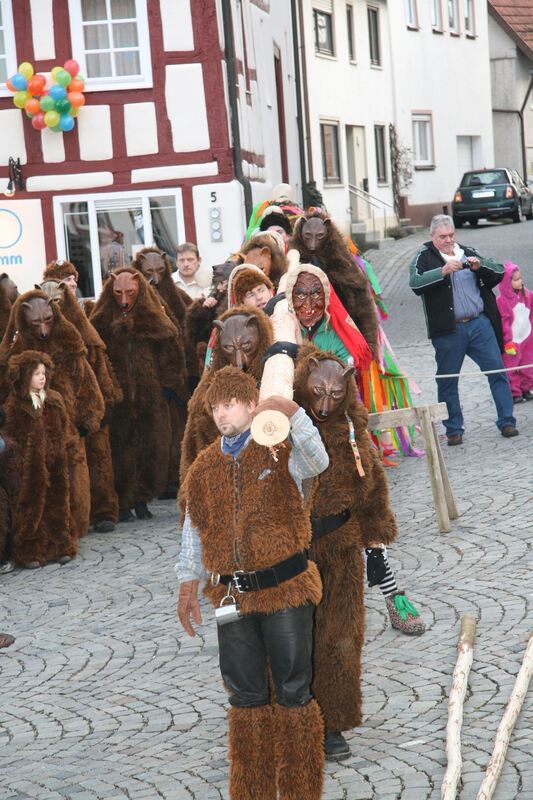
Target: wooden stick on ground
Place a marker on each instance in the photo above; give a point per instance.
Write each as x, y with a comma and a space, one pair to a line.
465, 655
516, 700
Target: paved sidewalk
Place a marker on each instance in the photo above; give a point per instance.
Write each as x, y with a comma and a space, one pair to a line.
104, 698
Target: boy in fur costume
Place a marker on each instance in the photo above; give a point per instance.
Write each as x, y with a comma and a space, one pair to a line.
249, 286
37, 420
40, 325
351, 510
104, 500
154, 264
242, 337
144, 348
251, 534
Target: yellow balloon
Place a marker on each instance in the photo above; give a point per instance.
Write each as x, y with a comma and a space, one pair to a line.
26, 69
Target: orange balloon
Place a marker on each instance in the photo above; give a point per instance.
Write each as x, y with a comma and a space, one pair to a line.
32, 106
76, 85
76, 99
10, 86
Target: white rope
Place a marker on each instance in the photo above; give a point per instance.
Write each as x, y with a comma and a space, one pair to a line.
475, 374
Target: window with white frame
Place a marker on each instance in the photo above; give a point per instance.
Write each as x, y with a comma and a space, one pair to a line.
100, 232
331, 166
453, 16
351, 31
323, 22
8, 56
411, 16
381, 153
436, 15
423, 155
111, 43
470, 20
374, 36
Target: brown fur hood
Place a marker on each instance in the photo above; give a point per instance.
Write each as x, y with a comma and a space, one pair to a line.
266, 337
21, 368
65, 339
147, 318
57, 270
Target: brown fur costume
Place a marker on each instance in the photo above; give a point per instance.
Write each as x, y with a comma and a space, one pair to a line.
144, 348
74, 379
5, 308
176, 301
339, 619
104, 500
277, 257
40, 508
348, 280
201, 430
57, 270
8, 485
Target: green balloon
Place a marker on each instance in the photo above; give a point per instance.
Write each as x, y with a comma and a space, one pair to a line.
51, 118
63, 77
47, 103
57, 128
63, 106
20, 99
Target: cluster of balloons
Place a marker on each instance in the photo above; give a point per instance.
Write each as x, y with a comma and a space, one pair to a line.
49, 102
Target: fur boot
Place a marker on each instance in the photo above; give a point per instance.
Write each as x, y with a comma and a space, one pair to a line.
251, 754
300, 751
104, 500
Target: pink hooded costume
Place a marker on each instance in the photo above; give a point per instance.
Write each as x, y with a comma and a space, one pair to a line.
517, 322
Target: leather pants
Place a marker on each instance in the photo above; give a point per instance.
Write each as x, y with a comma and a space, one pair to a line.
283, 641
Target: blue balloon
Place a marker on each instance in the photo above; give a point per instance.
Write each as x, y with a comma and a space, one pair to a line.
57, 92
19, 82
66, 122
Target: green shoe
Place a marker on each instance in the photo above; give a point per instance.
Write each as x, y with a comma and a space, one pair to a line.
403, 615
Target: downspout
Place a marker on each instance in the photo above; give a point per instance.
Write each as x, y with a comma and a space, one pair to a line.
523, 128
299, 111
305, 96
231, 70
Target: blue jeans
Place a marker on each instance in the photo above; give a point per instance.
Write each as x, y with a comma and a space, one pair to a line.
476, 339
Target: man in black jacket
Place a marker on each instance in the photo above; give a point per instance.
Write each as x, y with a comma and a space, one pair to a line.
462, 319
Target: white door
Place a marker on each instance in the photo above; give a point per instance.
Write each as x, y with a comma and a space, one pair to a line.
357, 171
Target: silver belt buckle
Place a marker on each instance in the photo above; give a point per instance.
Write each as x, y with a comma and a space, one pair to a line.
215, 578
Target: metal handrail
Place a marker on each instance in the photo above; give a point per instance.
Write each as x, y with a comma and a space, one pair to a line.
366, 195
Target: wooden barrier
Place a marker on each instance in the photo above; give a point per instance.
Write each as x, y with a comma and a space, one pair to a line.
425, 417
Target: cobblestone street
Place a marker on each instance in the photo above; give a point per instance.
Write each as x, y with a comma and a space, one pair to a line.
103, 697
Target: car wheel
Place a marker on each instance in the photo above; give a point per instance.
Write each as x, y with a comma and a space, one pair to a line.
518, 215
474, 222
458, 222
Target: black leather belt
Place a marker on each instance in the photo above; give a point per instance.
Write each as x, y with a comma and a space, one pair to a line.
468, 319
323, 525
269, 577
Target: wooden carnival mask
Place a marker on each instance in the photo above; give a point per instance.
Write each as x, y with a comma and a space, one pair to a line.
238, 339
39, 316
314, 234
327, 386
152, 266
54, 289
308, 299
125, 290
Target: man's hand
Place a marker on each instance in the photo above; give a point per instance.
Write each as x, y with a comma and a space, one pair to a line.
210, 302
473, 262
188, 604
277, 403
451, 266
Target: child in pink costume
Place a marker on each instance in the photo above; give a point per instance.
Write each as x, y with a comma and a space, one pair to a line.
515, 304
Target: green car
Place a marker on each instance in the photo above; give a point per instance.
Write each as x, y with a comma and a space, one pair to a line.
491, 194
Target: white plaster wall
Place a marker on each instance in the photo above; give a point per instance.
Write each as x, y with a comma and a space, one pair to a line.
58, 183
449, 76
229, 197
140, 125
94, 131
177, 25
173, 172
42, 21
351, 94
53, 146
186, 108
12, 136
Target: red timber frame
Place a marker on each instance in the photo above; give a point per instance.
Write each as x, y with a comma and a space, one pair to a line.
206, 51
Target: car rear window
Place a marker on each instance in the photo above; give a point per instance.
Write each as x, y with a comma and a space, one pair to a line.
486, 178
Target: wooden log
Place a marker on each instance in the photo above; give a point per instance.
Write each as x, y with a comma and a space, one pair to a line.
507, 724
403, 417
448, 492
465, 655
435, 476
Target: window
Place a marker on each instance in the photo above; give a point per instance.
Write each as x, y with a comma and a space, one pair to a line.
329, 135
373, 35
381, 157
423, 140
351, 33
101, 232
411, 16
470, 25
323, 33
8, 56
436, 15
111, 42
453, 16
